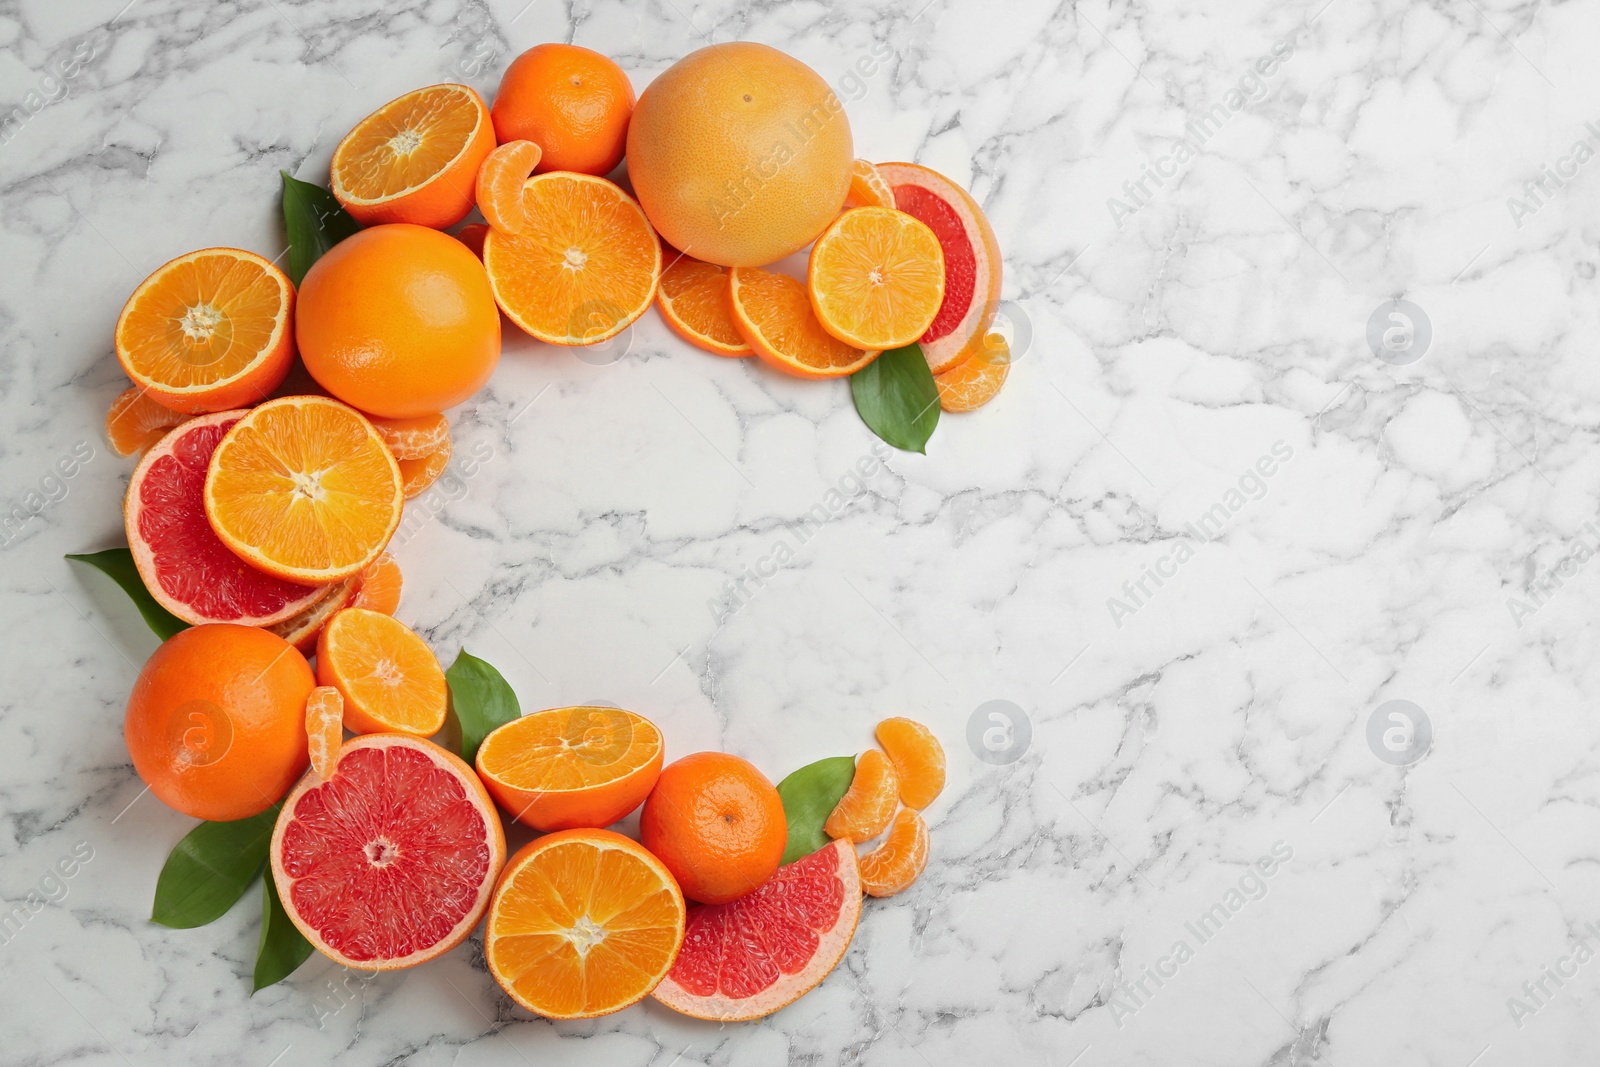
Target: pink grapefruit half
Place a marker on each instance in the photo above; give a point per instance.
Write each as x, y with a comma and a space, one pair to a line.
749, 958
391, 861
971, 261
184, 564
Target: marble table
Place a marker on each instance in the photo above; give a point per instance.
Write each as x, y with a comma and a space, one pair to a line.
1303, 425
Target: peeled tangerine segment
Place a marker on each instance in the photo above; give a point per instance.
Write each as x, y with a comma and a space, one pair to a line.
869, 804
895, 864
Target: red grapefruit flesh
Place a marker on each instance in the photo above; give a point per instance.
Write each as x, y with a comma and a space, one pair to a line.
747, 959
971, 261
391, 861
184, 564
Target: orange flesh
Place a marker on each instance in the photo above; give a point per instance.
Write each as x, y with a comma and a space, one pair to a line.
774, 314
868, 187
202, 319
380, 583
389, 678
876, 278
134, 422
694, 301
415, 437
974, 383
500, 181
547, 752
405, 144
324, 728
417, 474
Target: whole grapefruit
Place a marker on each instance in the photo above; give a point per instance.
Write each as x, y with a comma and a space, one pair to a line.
739, 154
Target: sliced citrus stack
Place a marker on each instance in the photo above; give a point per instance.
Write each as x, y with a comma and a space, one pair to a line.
586, 265
378, 585
303, 487
584, 922
972, 384
301, 630
895, 864
416, 475
188, 570
324, 728
918, 760
773, 313
414, 159
867, 187
570, 767
971, 261
870, 802
388, 676
500, 182
876, 278
389, 861
749, 958
694, 302
134, 422
208, 331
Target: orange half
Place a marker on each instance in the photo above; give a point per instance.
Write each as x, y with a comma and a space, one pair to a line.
571, 767
415, 159
582, 923
208, 331
773, 313
585, 267
694, 302
876, 278
500, 182
390, 679
304, 488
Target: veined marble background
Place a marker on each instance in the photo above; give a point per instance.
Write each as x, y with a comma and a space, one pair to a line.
1206, 849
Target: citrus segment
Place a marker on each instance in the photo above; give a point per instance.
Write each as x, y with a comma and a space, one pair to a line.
415, 158
134, 422
391, 860
876, 278
378, 585
182, 562
571, 767
388, 676
717, 823
895, 864
302, 630
324, 728
303, 487
774, 314
416, 475
970, 385
918, 760
749, 958
694, 302
584, 922
208, 331
415, 437
500, 182
867, 187
585, 267
868, 804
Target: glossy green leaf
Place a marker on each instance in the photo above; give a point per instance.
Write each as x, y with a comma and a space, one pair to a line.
282, 948
480, 700
809, 795
315, 223
897, 398
117, 563
210, 869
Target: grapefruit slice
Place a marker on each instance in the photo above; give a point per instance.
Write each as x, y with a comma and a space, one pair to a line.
391, 860
749, 958
971, 261
184, 564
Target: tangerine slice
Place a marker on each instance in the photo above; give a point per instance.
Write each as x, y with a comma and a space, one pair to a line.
694, 302
134, 422
324, 728
918, 760
208, 331
302, 630
870, 802
583, 923
773, 313
867, 187
571, 767
388, 676
378, 585
415, 158
896, 863
972, 384
585, 267
876, 278
303, 487
500, 181
415, 437
417, 474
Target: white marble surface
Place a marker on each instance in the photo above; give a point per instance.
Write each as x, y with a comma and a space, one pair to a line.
1226, 714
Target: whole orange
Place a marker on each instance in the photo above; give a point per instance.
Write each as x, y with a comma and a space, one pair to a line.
718, 825
739, 154
216, 723
569, 100
398, 321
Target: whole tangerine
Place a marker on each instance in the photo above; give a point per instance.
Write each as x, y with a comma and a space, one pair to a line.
718, 825
571, 101
398, 321
216, 722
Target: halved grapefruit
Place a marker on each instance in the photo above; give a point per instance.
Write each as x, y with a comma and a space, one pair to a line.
747, 959
184, 564
971, 261
390, 861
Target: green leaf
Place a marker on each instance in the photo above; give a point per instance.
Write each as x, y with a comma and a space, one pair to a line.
480, 700
282, 948
809, 795
118, 564
211, 868
315, 223
897, 398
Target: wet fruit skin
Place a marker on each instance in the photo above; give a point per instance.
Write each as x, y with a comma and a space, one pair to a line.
717, 823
